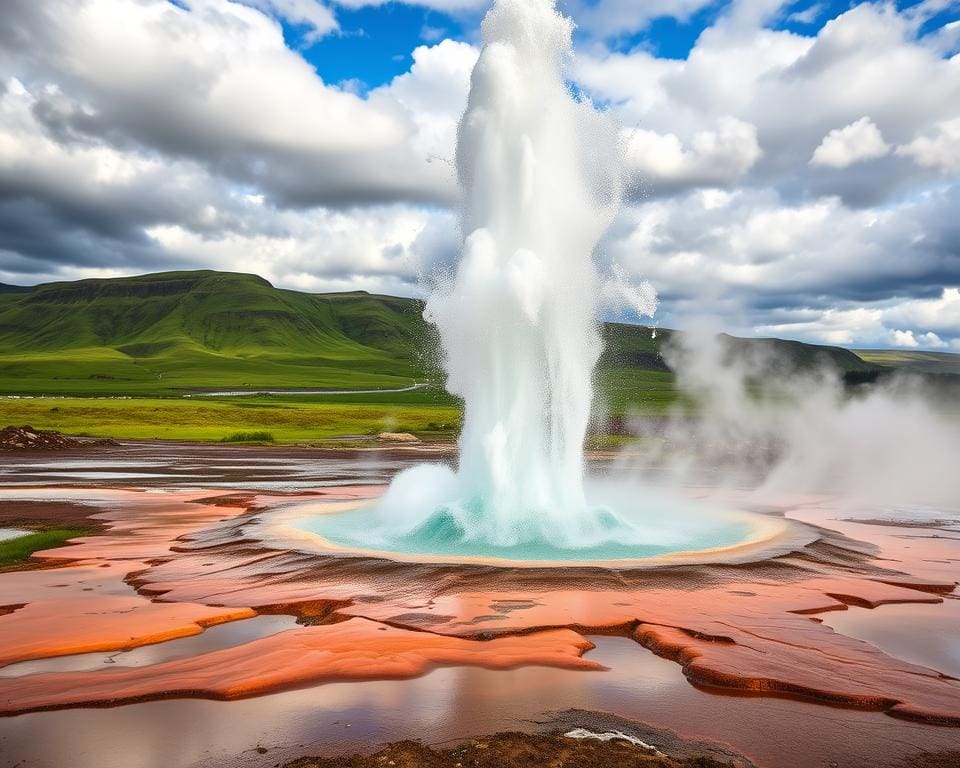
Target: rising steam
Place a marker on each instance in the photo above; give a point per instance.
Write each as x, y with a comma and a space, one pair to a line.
757, 418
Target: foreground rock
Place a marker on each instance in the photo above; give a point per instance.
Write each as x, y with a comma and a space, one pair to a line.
26, 438
506, 750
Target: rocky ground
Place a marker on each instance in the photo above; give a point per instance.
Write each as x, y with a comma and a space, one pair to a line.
507, 750
26, 438
522, 750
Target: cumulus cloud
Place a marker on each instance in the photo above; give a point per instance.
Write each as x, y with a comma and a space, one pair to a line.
941, 313
861, 140
911, 340
714, 157
836, 222
217, 84
139, 116
814, 270
382, 249
312, 13
808, 15
939, 148
795, 90
433, 93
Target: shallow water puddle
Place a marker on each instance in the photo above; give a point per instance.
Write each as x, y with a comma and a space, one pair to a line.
212, 639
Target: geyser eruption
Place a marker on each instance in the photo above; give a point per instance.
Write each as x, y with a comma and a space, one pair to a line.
518, 324
540, 176
539, 171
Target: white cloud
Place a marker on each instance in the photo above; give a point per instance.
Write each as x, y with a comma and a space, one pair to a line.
382, 249
609, 18
312, 13
911, 340
861, 140
434, 94
903, 339
861, 327
816, 270
931, 340
939, 148
794, 90
808, 15
832, 326
939, 314
217, 83
714, 157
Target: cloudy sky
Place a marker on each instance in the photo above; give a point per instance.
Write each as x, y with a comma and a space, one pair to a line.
794, 167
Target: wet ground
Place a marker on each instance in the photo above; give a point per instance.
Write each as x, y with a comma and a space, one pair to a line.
778, 662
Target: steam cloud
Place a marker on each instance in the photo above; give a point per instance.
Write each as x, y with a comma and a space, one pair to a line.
754, 417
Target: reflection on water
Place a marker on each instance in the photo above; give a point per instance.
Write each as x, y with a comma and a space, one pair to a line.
205, 466
213, 639
924, 634
449, 704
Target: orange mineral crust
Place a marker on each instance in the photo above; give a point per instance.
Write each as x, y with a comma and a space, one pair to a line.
102, 623
352, 650
171, 564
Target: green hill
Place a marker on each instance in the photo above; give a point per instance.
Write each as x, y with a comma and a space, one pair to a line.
172, 332
203, 330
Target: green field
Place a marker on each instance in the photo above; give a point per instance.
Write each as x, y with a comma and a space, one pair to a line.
299, 420
131, 357
922, 362
16, 551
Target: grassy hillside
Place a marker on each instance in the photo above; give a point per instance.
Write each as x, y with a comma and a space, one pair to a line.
161, 334
919, 362
153, 339
636, 346
170, 333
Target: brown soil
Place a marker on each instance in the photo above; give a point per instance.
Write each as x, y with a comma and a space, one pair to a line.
26, 438
933, 760
47, 515
512, 750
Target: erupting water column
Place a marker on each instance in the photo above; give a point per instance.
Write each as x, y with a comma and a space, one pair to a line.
518, 322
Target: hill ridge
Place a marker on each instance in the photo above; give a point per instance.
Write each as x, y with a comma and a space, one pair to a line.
165, 332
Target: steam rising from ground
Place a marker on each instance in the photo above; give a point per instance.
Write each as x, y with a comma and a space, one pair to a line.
755, 418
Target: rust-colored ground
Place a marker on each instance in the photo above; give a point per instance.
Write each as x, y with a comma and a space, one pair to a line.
193, 564
169, 564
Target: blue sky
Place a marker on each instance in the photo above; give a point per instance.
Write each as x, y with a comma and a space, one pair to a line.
374, 43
